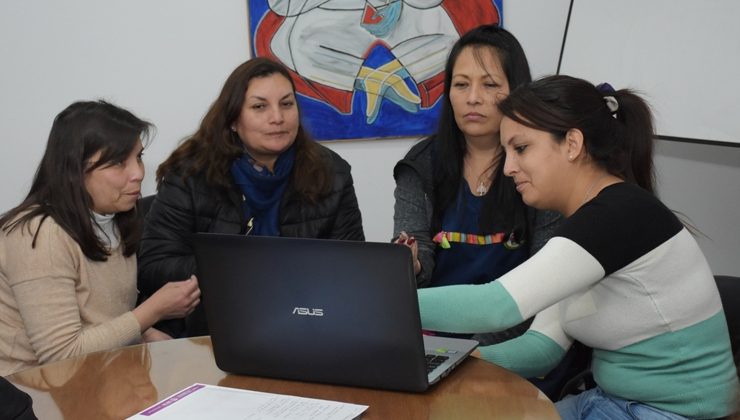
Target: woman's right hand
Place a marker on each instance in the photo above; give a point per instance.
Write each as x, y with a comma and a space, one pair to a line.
410, 241
175, 299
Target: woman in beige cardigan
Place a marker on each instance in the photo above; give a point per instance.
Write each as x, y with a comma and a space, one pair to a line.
67, 252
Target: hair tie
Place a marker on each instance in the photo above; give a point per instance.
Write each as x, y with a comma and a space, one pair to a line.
605, 88
612, 104
611, 101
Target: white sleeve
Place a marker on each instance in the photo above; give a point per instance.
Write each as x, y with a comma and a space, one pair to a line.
548, 323
560, 269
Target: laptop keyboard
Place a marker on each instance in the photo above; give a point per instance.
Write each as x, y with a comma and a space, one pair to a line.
433, 361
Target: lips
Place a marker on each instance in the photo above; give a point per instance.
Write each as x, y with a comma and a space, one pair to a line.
473, 116
520, 185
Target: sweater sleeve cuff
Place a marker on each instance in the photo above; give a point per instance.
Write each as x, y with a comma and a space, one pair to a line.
129, 330
532, 354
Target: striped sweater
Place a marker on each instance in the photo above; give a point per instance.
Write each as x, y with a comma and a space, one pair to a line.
623, 276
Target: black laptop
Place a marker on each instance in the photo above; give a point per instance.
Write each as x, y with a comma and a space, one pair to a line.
341, 312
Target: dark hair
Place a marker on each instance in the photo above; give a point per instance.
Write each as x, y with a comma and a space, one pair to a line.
58, 189
214, 146
502, 205
620, 141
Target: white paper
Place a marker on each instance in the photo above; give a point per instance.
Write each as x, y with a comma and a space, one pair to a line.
200, 401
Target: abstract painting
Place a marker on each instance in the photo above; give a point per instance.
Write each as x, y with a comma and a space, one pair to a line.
366, 68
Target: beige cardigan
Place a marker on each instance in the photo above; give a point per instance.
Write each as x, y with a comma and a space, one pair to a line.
55, 303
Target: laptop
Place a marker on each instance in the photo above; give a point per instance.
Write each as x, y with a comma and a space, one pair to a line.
340, 312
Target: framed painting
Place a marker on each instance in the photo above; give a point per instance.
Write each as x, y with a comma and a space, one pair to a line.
366, 68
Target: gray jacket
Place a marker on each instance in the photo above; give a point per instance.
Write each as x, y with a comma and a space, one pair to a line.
413, 213
413, 210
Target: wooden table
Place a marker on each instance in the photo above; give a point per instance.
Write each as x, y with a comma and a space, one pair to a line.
118, 383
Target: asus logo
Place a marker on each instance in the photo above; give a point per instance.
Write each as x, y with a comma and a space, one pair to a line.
308, 311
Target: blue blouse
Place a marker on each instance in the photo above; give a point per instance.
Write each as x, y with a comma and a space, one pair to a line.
472, 257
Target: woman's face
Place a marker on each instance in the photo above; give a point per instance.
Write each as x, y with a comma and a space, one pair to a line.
538, 164
115, 186
478, 84
268, 122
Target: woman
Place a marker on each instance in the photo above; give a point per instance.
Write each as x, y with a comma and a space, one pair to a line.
463, 219
621, 274
249, 169
67, 264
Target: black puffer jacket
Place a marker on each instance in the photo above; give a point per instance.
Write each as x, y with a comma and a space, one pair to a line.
182, 208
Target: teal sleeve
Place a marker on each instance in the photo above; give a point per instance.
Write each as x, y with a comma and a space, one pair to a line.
529, 355
468, 308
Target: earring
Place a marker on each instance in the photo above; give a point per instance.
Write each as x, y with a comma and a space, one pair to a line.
233, 128
570, 157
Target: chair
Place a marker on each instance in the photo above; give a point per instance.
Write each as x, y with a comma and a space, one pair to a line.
582, 380
574, 363
14, 403
144, 204
729, 293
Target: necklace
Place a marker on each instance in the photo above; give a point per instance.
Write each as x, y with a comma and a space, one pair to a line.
482, 189
593, 185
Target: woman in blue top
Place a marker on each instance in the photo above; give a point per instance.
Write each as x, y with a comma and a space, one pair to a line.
463, 219
621, 274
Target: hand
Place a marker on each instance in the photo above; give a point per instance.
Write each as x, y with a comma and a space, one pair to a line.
153, 334
410, 241
476, 353
175, 299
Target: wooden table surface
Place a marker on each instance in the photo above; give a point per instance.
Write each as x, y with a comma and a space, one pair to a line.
118, 383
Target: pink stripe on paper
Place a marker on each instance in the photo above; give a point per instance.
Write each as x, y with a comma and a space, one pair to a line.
171, 400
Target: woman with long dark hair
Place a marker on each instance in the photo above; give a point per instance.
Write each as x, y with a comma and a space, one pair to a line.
462, 218
250, 168
621, 274
67, 252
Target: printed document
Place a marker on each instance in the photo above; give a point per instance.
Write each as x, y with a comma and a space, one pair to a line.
201, 401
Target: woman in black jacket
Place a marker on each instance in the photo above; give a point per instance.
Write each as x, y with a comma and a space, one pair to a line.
249, 169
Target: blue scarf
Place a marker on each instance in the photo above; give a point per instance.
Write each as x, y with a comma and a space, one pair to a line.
263, 190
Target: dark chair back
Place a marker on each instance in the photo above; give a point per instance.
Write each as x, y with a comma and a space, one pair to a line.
144, 204
14, 403
729, 292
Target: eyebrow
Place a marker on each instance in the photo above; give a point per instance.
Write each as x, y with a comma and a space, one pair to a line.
287, 95
511, 139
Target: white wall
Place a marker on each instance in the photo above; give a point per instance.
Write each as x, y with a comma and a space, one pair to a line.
166, 60
703, 183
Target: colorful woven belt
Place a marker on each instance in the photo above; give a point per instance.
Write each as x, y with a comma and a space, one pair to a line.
444, 238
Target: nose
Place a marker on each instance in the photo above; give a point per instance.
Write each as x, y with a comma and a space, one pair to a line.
276, 115
510, 167
137, 172
475, 94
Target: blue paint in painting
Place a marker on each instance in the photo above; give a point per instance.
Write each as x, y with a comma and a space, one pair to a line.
391, 120
324, 122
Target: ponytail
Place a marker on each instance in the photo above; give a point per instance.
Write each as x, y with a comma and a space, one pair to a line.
636, 134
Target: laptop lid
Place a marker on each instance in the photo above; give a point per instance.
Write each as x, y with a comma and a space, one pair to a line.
315, 310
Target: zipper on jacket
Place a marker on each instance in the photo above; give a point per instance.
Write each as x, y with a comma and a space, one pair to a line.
250, 222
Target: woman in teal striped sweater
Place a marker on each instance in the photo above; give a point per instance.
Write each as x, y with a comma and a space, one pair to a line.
621, 274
